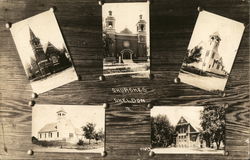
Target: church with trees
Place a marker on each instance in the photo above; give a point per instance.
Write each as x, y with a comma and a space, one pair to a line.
209, 133
47, 59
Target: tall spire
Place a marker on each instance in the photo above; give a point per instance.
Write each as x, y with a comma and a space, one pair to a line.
32, 35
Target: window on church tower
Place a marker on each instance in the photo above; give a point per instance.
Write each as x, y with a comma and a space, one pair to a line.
142, 27
110, 25
213, 54
207, 54
57, 134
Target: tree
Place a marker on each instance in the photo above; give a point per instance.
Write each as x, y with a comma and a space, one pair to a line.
107, 42
162, 132
89, 131
99, 135
193, 55
213, 124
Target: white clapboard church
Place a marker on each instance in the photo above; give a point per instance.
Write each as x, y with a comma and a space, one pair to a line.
210, 59
61, 130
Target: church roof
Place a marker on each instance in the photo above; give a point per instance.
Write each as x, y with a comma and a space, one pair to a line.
216, 34
194, 124
61, 110
50, 48
32, 35
49, 127
126, 31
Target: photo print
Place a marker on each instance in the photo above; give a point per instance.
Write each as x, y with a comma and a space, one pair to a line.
211, 52
68, 128
126, 39
188, 130
44, 55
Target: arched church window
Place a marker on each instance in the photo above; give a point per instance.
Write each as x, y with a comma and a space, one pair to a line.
110, 24
54, 59
218, 66
207, 54
213, 54
142, 27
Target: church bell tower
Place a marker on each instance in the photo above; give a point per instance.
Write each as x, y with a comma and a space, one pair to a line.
110, 24
37, 47
142, 45
110, 35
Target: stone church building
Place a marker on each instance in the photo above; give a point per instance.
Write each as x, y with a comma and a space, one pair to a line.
61, 130
187, 134
125, 45
47, 59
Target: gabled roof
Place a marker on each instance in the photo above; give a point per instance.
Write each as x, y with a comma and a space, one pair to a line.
51, 48
32, 35
194, 124
49, 127
61, 110
126, 31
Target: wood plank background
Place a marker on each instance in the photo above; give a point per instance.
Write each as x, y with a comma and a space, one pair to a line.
127, 126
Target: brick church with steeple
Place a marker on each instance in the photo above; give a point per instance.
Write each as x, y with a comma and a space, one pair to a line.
125, 45
47, 59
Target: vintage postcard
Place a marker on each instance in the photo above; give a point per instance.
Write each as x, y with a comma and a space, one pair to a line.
44, 55
68, 128
211, 52
188, 130
126, 39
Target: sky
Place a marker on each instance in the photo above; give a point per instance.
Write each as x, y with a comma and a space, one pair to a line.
230, 31
127, 15
44, 26
174, 113
78, 114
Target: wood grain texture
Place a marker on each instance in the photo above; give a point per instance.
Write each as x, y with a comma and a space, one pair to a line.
127, 126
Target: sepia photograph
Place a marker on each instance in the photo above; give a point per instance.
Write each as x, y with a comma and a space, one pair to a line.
126, 39
188, 130
211, 52
44, 55
68, 128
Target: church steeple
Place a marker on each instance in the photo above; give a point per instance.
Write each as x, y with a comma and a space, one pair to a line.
34, 41
141, 25
61, 114
37, 47
214, 40
110, 23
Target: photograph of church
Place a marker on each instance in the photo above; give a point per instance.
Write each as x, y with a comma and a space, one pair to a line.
126, 39
188, 129
43, 52
187, 134
68, 128
211, 52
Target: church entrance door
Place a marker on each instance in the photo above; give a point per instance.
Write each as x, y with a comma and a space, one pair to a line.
127, 54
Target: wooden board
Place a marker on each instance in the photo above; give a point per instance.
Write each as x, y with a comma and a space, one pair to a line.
127, 126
